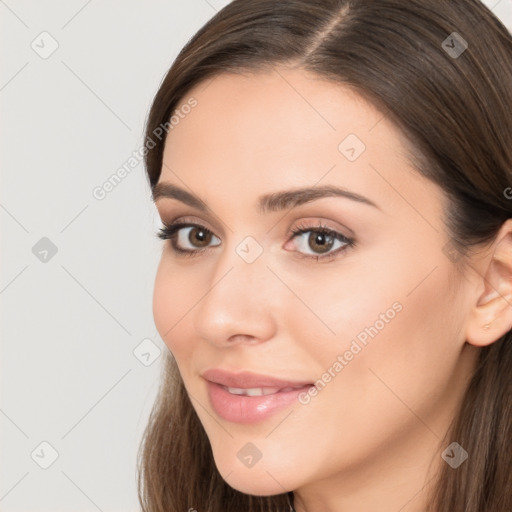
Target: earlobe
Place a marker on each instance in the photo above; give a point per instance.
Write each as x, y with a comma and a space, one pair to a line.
491, 316
482, 334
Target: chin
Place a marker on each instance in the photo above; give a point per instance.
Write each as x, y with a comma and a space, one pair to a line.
259, 480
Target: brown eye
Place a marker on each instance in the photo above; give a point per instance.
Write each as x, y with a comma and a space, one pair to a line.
320, 242
195, 241
200, 235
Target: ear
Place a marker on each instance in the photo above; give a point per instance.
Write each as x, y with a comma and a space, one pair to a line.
491, 316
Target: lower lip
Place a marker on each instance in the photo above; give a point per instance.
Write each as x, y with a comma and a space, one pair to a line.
249, 409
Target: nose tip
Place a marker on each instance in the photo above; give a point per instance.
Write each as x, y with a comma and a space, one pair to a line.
239, 308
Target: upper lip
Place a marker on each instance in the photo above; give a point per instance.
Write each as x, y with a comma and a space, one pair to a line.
246, 380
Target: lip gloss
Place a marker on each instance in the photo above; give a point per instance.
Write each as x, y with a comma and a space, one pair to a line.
249, 409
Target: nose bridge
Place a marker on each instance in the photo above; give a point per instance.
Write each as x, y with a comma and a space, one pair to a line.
243, 262
240, 297
241, 272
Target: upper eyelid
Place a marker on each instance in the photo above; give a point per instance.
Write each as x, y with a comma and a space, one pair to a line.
187, 219
314, 219
317, 225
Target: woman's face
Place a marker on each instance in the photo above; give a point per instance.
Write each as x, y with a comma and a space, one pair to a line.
379, 325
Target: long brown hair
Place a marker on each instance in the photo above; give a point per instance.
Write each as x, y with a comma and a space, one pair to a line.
451, 97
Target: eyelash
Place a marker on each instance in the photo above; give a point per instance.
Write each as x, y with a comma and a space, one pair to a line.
169, 232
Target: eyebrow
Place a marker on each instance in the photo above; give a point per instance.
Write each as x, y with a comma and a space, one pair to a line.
267, 203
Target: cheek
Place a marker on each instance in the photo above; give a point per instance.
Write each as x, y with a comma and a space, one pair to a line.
173, 299
397, 348
336, 305
384, 291
390, 321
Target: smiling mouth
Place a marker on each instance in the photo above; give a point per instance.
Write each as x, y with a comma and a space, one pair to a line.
252, 405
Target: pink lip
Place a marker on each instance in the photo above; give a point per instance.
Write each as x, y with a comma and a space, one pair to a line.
249, 380
249, 409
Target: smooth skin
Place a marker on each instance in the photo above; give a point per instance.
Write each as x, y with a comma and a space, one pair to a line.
373, 436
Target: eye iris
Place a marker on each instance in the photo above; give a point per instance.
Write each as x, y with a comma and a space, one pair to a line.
319, 238
200, 235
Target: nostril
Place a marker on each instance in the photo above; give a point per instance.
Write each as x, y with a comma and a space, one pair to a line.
242, 338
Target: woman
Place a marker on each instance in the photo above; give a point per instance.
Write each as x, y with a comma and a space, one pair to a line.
333, 178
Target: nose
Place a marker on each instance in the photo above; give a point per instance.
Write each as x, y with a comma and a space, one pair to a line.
239, 303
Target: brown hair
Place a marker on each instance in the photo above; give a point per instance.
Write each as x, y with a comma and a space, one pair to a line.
455, 109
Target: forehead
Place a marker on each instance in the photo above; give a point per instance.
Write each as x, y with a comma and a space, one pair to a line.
284, 106
266, 131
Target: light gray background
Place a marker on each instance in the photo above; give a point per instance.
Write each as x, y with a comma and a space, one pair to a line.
80, 355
